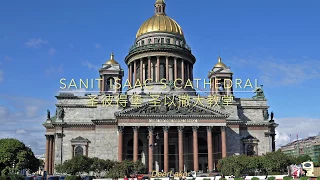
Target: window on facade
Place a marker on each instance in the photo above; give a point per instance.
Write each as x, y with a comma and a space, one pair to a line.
155, 40
154, 73
138, 72
149, 41
162, 70
146, 71
78, 151
168, 41
142, 42
110, 84
250, 150
162, 40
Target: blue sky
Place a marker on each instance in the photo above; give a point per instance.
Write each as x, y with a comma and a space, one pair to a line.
277, 42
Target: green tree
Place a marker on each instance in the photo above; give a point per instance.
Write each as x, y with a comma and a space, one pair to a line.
302, 158
100, 165
15, 156
276, 161
77, 165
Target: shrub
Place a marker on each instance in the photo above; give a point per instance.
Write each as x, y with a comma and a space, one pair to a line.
255, 178
12, 177
206, 178
318, 178
73, 178
222, 179
237, 178
304, 178
287, 178
271, 178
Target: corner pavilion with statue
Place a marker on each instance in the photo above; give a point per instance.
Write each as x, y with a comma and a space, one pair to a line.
192, 137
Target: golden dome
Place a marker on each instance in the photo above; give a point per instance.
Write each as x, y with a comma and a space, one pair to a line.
112, 61
160, 22
220, 64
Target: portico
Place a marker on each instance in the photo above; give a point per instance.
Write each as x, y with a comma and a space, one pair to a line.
178, 138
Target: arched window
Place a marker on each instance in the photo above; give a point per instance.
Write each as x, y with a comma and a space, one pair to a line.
110, 84
146, 71
138, 73
162, 71
78, 151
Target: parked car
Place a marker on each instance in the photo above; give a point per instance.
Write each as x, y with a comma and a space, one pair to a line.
88, 178
39, 178
29, 178
53, 178
62, 177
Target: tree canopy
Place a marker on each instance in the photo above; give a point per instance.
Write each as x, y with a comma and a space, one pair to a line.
15, 156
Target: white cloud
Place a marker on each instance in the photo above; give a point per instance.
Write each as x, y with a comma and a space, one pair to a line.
289, 128
90, 66
1, 75
97, 46
275, 71
35, 43
52, 51
53, 70
24, 119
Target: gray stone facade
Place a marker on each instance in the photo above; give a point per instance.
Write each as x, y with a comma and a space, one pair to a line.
90, 127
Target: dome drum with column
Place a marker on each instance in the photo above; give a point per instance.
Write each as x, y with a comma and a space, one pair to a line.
160, 52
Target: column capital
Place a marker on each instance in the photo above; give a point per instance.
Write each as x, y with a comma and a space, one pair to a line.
209, 128
175, 58
223, 128
149, 57
158, 57
150, 128
135, 128
120, 128
195, 128
47, 137
59, 135
167, 57
166, 128
180, 128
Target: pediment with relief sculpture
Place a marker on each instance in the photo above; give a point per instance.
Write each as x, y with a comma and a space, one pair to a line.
164, 109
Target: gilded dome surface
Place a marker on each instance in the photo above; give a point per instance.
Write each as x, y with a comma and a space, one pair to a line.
160, 22
111, 60
220, 64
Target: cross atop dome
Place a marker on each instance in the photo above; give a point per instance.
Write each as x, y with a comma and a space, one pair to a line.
160, 7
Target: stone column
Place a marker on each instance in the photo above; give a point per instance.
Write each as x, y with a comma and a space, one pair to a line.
182, 71
130, 73
103, 84
209, 144
134, 72
135, 143
191, 72
47, 153
195, 148
120, 142
151, 148
175, 69
149, 67
87, 150
72, 151
141, 71
158, 69
167, 69
180, 136
188, 71
52, 155
58, 149
171, 73
166, 148
223, 142
213, 86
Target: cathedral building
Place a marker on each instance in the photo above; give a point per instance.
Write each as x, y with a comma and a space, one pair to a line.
164, 126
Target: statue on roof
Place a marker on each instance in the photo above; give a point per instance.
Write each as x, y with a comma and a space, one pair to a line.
48, 114
259, 93
60, 113
272, 114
